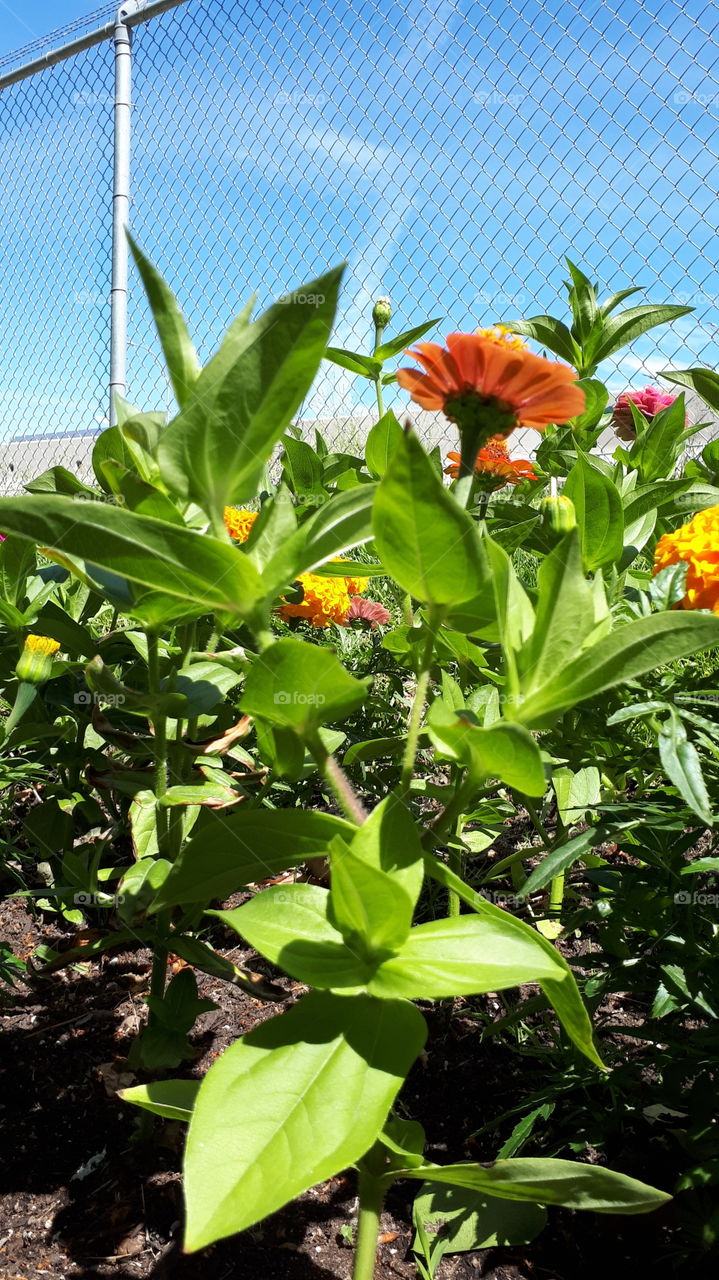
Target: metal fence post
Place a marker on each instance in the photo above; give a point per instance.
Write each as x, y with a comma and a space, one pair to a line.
120, 204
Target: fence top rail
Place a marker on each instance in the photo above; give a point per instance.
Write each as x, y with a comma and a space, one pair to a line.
130, 14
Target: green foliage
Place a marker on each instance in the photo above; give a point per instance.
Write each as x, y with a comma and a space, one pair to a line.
366, 786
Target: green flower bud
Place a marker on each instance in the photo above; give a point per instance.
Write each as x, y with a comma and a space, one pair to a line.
35, 662
558, 514
382, 313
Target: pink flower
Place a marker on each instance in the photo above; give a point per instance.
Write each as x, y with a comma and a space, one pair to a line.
650, 401
368, 610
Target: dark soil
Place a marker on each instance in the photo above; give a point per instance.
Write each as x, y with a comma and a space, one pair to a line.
79, 1198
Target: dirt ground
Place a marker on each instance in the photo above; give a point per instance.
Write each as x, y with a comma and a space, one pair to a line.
80, 1200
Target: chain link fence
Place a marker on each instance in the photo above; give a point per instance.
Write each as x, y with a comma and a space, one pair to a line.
451, 153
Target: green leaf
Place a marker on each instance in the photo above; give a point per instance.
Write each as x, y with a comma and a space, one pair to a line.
340, 524
384, 439
680, 759
564, 614
365, 366
494, 752
292, 1103
392, 348
290, 926
180, 356
599, 513
371, 910
463, 955
216, 450
467, 1220
552, 334
577, 791
303, 466
704, 381
199, 573
111, 445
225, 853
630, 324
658, 446
614, 299
628, 652
562, 857
596, 397
173, 1099
58, 480
424, 538
583, 301
300, 686
563, 995
562, 1182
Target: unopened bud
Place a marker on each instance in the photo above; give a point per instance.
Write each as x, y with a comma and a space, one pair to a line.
558, 514
382, 313
35, 662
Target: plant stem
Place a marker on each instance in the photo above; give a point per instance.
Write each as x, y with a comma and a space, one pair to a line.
159, 724
420, 695
334, 774
371, 1199
380, 402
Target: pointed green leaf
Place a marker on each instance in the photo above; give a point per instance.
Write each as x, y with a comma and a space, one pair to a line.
197, 572
424, 538
292, 1103
301, 686
216, 450
564, 1182
180, 356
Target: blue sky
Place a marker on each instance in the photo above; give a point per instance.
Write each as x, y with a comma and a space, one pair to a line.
451, 153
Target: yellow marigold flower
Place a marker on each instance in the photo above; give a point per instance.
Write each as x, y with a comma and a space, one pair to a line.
41, 644
239, 523
35, 662
502, 334
355, 586
696, 543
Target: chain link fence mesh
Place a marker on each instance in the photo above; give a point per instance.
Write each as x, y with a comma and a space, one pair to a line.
451, 153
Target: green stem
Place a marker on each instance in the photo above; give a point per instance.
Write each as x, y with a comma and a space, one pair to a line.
380, 402
556, 894
159, 724
334, 774
371, 1199
414, 723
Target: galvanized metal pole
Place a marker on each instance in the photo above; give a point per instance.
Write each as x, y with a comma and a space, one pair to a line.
120, 206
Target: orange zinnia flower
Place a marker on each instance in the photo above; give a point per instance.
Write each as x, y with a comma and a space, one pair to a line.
494, 461
488, 386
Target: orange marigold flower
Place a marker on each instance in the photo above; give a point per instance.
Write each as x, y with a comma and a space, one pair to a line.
324, 600
696, 543
494, 461
239, 523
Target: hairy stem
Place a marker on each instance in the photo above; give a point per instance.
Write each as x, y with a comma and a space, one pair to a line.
335, 776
